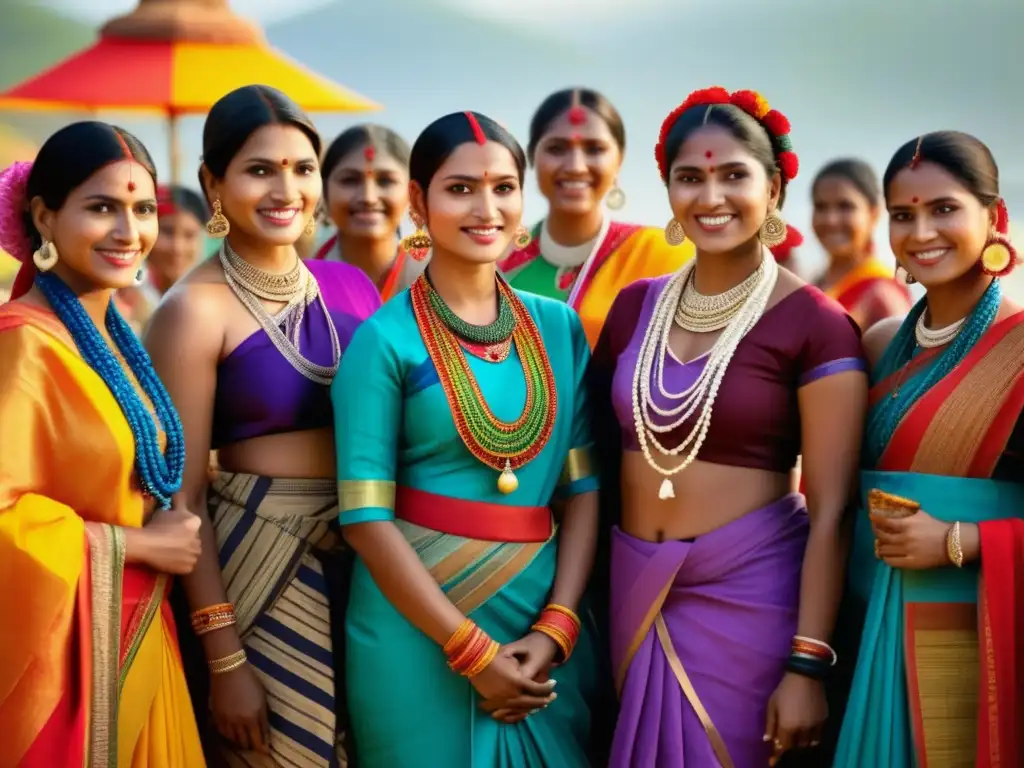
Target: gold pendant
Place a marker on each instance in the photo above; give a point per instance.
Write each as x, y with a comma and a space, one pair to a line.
507, 480
667, 491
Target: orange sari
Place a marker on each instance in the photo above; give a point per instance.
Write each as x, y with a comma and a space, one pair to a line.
89, 668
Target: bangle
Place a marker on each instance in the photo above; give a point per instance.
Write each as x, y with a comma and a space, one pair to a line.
470, 650
220, 622
560, 624
954, 551
808, 647
211, 614
227, 663
816, 669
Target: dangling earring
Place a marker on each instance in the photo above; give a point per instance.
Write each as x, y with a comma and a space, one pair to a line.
674, 233
523, 238
218, 226
310, 229
773, 231
908, 280
418, 243
45, 258
998, 257
140, 276
616, 198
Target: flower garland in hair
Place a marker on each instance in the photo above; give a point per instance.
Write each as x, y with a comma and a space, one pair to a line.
784, 250
14, 237
751, 102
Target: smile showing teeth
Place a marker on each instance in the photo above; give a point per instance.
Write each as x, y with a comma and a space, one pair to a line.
483, 231
715, 221
574, 184
126, 257
932, 255
280, 214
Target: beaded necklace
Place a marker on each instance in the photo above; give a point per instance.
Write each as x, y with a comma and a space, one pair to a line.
886, 415
494, 333
504, 446
159, 473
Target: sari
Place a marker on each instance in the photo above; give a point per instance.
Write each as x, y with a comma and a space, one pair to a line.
400, 275
622, 254
401, 460
857, 289
90, 673
937, 680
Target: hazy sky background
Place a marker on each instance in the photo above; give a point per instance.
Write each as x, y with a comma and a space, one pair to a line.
856, 77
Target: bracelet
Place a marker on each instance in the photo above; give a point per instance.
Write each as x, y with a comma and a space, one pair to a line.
220, 622
816, 669
470, 650
204, 616
954, 551
562, 625
227, 663
814, 649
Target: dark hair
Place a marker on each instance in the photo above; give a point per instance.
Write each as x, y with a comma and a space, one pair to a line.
184, 200
237, 116
857, 172
561, 101
961, 155
368, 134
72, 155
446, 134
742, 126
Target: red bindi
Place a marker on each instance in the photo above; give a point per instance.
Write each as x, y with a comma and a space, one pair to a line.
711, 169
914, 201
709, 154
284, 163
131, 186
577, 115
370, 152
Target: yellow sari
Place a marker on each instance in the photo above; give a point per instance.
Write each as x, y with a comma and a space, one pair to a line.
89, 668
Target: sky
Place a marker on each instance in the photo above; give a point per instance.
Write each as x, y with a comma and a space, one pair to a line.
263, 11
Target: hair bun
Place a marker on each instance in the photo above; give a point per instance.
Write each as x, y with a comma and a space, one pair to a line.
13, 206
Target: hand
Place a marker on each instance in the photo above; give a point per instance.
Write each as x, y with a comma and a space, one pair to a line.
796, 714
172, 541
239, 708
917, 542
536, 654
503, 686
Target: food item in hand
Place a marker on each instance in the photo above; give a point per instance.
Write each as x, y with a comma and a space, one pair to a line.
890, 505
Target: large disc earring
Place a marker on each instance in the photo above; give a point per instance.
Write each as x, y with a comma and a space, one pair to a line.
218, 226
417, 245
674, 233
45, 258
616, 198
773, 231
523, 238
998, 257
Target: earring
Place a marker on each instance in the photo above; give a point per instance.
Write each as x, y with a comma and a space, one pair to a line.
140, 276
218, 226
310, 228
998, 257
616, 198
674, 233
46, 257
773, 231
418, 243
908, 280
523, 238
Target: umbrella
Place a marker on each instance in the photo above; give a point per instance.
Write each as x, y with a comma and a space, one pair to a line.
173, 58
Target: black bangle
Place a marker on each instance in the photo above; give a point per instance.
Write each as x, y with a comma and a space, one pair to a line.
812, 668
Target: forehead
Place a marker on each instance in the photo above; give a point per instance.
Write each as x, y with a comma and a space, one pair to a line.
277, 142
114, 179
927, 181
837, 188
356, 158
180, 219
472, 159
594, 127
711, 144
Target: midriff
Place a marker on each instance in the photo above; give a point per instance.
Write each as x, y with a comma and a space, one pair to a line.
308, 454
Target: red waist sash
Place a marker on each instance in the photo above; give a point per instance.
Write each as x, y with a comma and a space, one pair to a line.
472, 519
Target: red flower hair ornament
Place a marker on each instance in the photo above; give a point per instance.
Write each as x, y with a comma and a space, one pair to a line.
751, 102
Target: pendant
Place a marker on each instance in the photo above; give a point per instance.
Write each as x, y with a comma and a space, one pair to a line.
667, 491
507, 480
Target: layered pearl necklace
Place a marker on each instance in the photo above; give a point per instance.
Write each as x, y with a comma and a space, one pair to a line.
928, 338
737, 311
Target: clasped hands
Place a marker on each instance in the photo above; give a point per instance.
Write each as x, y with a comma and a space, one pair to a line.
516, 683
915, 542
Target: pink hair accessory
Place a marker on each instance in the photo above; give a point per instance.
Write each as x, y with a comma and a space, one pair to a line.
13, 205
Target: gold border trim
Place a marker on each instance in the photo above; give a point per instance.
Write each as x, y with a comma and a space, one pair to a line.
578, 465
360, 494
106, 561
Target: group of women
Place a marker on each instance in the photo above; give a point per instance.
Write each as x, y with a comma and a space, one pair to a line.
487, 496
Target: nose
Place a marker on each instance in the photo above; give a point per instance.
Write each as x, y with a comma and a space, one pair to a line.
127, 229
575, 160
486, 208
711, 194
284, 190
370, 192
924, 229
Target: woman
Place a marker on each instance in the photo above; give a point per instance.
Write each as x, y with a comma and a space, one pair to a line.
938, 566
723, 585
366, 193
91, 451
577, 253
248, 344
445, 489
847, 203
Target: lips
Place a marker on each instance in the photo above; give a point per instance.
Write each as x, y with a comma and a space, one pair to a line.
119, 257
715, 222
574, 188
483, 235
930, 256
280, 217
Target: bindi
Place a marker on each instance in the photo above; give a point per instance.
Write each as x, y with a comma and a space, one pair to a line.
916, 200
577, 115
369, 153
284, 162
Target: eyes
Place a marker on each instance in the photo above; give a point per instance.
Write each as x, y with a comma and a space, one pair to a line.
262, 170
687, 177
141, 210
382, 180
942, 209
558, 148
504, 188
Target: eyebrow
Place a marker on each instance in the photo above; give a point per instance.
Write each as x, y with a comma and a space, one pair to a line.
720, 166
478, 179
116, 201
267, 161
936, 201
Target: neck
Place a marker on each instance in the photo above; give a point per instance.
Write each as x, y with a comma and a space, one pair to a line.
468, 288
574, 228
270, 258
954, 300
94, 300
373, 256
718, 272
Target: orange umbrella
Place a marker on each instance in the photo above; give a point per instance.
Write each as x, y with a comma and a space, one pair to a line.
175, 57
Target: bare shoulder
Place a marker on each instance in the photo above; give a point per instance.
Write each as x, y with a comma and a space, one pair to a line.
786, 284
192, 312
879, 336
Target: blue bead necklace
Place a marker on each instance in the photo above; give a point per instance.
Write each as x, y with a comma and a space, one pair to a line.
159, 474
885, 417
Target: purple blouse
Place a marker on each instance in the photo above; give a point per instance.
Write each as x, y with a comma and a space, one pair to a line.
260, 393
756, 420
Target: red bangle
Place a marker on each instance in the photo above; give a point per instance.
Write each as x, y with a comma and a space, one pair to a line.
470, 650
561, 625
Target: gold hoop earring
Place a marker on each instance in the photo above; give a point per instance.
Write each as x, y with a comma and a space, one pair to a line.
46, 257
310, 229
218, 226
773, 231
674, 233
523, 238
616, 198
417, 245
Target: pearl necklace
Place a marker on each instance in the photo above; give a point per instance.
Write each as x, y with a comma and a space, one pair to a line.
700, 313
703, 392
928, 338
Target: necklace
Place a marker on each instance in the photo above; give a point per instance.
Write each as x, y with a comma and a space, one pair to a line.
572, 262
928, 338
702, 393
251, 284
700, 313
494, 333
503, 446
159, 473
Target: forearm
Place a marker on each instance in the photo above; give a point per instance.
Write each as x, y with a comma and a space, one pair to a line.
137, 547
577, 544
821, 582
970, 542
403, 579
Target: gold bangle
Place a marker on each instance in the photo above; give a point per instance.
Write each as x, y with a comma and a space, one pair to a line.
227, 663
954, 551
213, 626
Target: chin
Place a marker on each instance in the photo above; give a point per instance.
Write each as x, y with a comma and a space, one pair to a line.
575, 207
